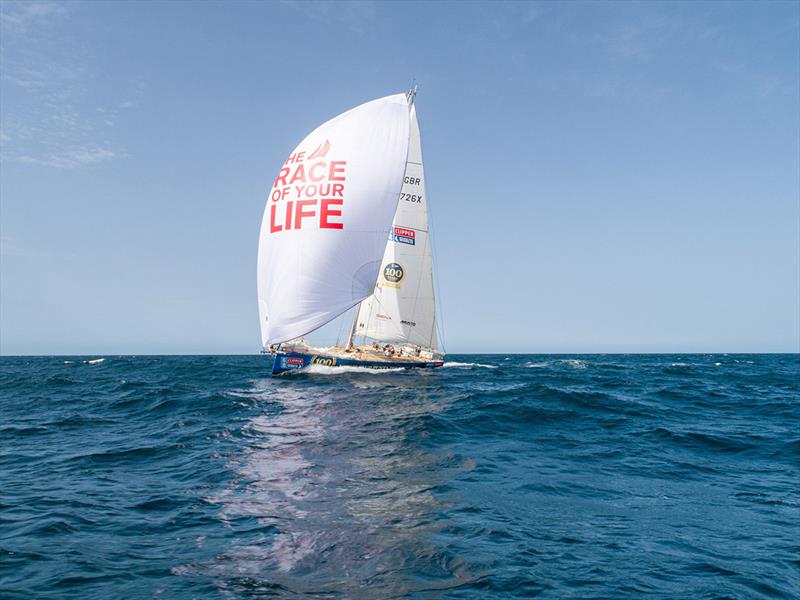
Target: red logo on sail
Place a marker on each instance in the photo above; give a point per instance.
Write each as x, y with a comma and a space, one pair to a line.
321, 150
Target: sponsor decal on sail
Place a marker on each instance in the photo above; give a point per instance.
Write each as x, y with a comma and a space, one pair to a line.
393, 275
384, 317
409, 323
308, 192
403, 235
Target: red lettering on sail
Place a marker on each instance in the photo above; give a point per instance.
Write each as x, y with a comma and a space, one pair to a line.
300, 214
272, 227
336, 172
313, 170
281, 178
299, 174
326, 212
288, 219
295, 158
300, 199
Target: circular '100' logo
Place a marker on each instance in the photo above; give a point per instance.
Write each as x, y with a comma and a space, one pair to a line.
393, 273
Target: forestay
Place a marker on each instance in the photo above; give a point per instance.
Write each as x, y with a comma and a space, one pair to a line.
324, 227
402, 309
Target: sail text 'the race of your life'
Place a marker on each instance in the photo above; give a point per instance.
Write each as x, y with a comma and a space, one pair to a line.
313, 193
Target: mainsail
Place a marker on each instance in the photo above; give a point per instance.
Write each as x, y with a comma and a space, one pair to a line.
402, 309
324, 227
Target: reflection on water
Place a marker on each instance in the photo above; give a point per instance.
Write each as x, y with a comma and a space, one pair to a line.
338, 493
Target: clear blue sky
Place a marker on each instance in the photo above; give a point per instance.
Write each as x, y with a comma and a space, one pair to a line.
603, 177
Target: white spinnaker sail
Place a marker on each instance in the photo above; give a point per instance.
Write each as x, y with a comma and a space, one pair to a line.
403, 307
324, 228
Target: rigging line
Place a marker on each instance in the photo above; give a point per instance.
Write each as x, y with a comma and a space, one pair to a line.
438, 289
339, 335
375, 301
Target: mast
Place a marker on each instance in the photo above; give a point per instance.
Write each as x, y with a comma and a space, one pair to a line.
353, 328
411, 94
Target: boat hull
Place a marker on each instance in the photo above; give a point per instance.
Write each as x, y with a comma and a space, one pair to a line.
293, 361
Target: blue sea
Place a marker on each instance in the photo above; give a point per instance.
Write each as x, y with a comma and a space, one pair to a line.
497, 476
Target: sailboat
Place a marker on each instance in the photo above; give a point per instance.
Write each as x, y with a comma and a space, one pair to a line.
346, 225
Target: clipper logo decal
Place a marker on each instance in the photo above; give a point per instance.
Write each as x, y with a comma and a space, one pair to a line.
403, 235
393, 275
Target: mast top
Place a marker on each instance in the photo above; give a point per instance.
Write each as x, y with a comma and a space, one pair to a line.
412, 92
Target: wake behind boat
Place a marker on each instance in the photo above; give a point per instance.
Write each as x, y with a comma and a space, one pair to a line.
346, 225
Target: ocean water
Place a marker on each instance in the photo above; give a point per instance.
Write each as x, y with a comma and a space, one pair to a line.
673, 476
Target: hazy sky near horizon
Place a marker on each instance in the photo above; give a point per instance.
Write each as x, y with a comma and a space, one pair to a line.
603, 177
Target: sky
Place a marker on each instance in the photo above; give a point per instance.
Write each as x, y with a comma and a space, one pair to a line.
603, 177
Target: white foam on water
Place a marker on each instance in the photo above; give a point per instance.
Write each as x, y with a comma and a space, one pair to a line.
574, 363
326, 370
717, 364
454, 364
94, 361
539, 365
68, 362
679, 365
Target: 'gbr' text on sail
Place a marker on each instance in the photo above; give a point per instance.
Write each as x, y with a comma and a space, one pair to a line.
307, 193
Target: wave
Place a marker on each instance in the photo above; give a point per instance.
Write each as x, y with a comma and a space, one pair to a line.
539, 365
326, 370
573, 362
454, 364
91, 361
708, 441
